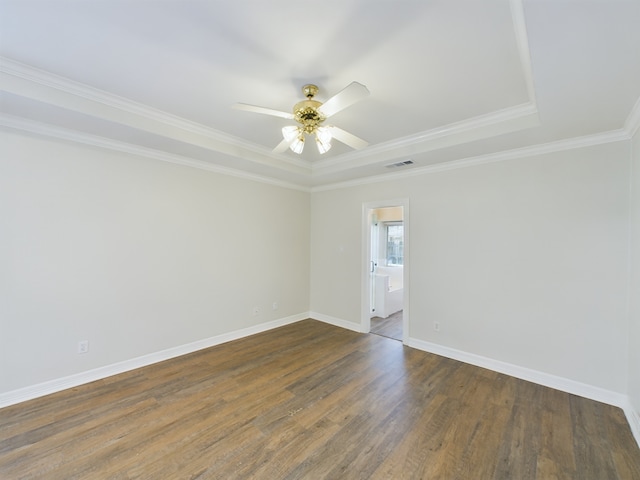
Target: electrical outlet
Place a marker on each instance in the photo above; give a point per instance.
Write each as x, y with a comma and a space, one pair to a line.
274, 306
83, 346
436, 326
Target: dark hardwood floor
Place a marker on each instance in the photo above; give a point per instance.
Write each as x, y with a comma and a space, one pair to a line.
313, 401
390, 327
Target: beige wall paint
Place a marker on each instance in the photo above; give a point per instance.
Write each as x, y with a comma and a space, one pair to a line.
523, 261
634, 286
134, 255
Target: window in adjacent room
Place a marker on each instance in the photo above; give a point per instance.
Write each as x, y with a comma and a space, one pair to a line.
395, 243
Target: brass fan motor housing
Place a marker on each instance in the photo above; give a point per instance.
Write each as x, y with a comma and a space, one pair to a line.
306, 112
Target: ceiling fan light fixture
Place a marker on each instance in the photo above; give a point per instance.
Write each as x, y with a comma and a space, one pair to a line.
297, 145
324, 134
310, 114
323, 139
295, 137
323, 147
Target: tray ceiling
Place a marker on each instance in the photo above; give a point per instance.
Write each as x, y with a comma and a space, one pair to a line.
449, 80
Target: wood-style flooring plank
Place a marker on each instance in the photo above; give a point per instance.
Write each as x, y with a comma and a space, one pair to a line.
390, 327
313, 401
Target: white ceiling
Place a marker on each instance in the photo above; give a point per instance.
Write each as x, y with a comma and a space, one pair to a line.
449, 79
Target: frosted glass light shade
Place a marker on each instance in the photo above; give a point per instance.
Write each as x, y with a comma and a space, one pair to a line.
295, 136
323, 134
323, 147
323, 139
297, 145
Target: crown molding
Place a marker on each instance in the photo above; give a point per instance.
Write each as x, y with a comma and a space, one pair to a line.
530, 151
39, 85
461, 127
632, 123
59, 133
522, 41
41, 129
36, 84
44, 86
491, 124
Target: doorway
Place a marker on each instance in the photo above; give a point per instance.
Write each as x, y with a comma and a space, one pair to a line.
385, 287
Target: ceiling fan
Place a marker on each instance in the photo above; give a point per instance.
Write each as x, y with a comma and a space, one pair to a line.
311, 114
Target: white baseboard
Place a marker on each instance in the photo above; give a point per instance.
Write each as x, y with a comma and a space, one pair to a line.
535, 376
559, 383
552, 381
338, 322
59, 384
633, 418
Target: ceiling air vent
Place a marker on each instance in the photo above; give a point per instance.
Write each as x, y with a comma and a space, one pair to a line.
400, 164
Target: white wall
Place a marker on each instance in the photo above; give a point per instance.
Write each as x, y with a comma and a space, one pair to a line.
523, 261
634, 295
134, 255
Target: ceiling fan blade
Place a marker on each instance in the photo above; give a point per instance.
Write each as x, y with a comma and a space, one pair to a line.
347, 138
281, 147
352, 93
263, 110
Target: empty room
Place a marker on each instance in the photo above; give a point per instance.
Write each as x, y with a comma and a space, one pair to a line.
213, 213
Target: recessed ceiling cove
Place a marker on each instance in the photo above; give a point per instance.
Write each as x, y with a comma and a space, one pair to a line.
448, 79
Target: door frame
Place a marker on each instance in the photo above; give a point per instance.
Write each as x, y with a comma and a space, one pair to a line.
365, 290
